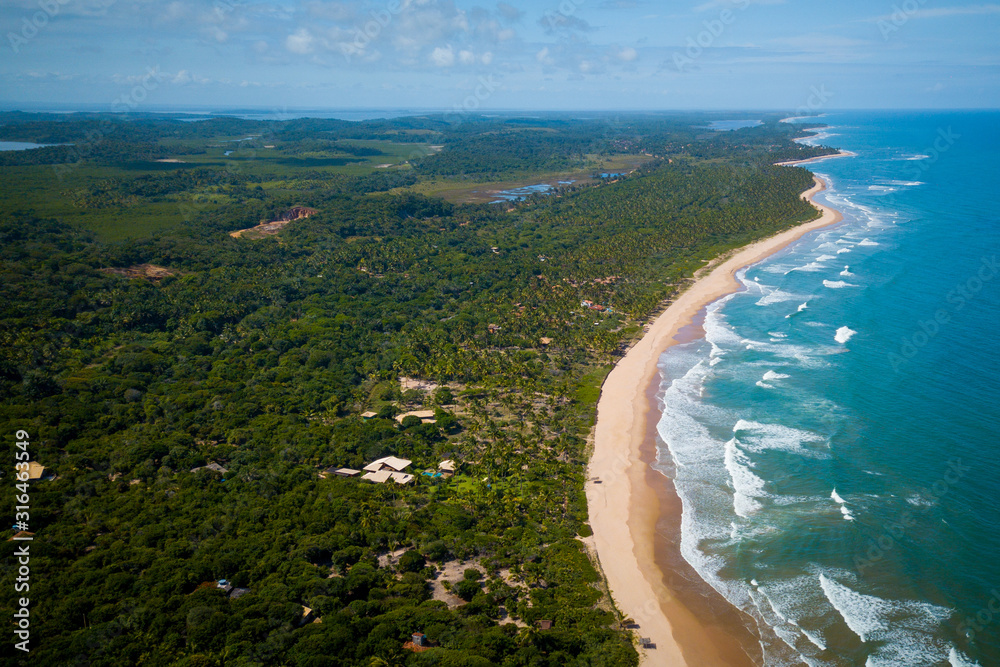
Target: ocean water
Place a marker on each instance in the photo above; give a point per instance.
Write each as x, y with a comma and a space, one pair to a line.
834, 436
20, 145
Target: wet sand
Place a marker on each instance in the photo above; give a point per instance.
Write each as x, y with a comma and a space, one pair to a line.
634, 510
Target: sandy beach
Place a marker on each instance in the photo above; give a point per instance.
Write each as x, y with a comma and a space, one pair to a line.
794, 163
634, 511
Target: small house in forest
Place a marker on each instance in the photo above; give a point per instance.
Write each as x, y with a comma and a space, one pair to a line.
426, 416
35, 470
388, 463
214, 467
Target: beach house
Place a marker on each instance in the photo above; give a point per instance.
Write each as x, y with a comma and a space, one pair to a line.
386, 468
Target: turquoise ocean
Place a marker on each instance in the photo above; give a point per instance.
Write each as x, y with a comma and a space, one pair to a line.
834, 436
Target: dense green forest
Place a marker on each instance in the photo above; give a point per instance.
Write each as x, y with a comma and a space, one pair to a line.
260, 354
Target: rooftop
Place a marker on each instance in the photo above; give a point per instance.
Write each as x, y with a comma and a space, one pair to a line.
391, 462
427, 416
377, 477
214, 467
35, 470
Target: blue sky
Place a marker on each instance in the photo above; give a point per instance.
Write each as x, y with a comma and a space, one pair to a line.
551, 54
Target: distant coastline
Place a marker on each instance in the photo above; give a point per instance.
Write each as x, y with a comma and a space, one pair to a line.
634, 510
809, 160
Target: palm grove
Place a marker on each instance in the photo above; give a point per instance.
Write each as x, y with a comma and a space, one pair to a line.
260, 353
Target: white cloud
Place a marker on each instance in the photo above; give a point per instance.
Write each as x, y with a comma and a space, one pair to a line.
543, 57
443, 56
486, 58
628, 54
466, 57
300, 42
423, 24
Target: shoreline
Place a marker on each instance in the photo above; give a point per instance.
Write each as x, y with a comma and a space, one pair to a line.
809, 160
635, 512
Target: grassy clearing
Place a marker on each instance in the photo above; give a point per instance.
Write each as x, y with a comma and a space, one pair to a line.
461, 191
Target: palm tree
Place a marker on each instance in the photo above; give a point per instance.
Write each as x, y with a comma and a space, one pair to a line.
527, 636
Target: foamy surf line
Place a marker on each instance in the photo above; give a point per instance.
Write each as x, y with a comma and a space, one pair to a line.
624, 526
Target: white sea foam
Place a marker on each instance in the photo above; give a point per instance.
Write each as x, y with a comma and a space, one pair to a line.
867, 242
859, 611
847, 271
747, 486
793, 609
815, 638
913, 158
775, 296
825, 258
908, 184
718, 334
882, 188
843, 505
844, 334
771, 375
764, 385
811, 267
904, 630
958, 659
920, 501
837, 284
802, 306
755, 437
844, 250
